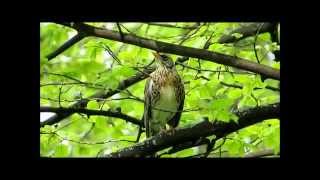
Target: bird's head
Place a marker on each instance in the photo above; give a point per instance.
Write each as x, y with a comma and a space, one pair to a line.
163, 60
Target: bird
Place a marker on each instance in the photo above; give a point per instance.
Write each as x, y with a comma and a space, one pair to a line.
163, 97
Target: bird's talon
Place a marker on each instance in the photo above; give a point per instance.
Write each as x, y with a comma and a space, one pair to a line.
173, 131
162, 132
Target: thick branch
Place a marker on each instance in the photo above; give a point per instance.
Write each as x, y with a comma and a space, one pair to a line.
202, 129
178, 50
91, 112
78, 37
246, 31
262, 153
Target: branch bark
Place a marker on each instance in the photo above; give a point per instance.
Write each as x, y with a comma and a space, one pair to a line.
202, 129
177, 49
78, 37
91, 112
262, 153
246, 31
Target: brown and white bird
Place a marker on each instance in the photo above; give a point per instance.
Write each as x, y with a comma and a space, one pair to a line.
164, 97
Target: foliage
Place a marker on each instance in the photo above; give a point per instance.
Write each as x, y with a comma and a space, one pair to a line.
87, 67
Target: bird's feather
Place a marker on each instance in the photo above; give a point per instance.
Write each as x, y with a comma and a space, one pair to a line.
147, 108
174, 121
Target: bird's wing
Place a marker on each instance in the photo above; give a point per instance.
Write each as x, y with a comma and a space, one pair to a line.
151, 95
147, 107
175, 119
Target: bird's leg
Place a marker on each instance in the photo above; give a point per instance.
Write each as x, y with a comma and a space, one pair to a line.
162, 131
172, 130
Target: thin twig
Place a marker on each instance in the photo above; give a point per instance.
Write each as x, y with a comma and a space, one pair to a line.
188, 35
126, 28
87, 143
212, 148
88, 132
96, 99
59, 96
186, 110
256, 88
201, 77
139, 134
88, 84
108, 49
64, 75
172, 26
255, 40
214, 71
60, 84
91, 112
120, 31
57, 100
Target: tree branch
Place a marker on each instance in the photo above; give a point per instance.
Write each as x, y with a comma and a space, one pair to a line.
246, 31
255, 42
202, 129
177, 49
262, 153
91, 112
186, 145
78, 37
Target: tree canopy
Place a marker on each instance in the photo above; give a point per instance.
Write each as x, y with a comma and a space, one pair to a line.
92, 78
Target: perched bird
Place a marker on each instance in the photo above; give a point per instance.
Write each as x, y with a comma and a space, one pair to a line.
164, 97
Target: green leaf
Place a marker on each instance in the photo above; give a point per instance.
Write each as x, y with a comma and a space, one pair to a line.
247, 89
223, 116
204, 103
277, 141
235, 148
234, 117
276, 65
234, 94
93, 105
47, 129
228, 78
205, 92
184, 153
61, 150
223, 104
93, 54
